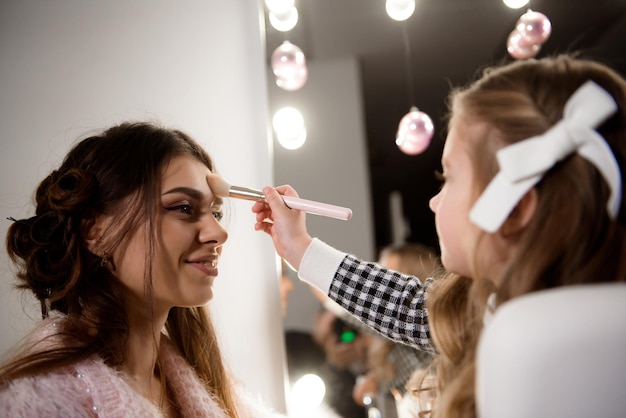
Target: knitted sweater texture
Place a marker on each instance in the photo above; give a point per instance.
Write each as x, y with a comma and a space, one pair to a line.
90, 388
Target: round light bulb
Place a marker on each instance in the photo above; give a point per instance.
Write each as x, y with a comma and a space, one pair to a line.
400, 9
308, 392
515, 4
288, 125
286, 21
279, 6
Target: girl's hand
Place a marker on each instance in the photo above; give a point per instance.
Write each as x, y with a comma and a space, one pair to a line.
286, 226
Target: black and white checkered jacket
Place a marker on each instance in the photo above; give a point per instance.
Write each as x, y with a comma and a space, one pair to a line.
390, 302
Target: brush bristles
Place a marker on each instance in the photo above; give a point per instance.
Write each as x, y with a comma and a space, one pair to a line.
218, 185
221, 188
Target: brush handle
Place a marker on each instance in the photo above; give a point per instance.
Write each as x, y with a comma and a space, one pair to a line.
318, 208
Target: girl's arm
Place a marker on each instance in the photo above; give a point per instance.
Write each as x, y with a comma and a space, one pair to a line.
391, 303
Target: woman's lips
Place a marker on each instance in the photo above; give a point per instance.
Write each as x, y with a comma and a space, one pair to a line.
208, 267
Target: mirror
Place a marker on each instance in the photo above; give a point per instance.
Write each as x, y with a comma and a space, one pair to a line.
365, 71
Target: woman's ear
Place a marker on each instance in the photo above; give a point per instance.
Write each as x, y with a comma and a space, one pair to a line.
521, 215
94, 231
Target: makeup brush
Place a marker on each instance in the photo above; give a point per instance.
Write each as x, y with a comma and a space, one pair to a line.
222, 188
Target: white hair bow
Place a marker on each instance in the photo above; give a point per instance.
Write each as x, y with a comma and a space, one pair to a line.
524, 163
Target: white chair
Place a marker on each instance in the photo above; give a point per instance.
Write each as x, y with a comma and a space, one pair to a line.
558, 353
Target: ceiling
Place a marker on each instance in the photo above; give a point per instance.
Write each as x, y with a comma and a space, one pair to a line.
415, 62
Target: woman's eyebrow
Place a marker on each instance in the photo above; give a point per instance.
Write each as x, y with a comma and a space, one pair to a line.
193, 193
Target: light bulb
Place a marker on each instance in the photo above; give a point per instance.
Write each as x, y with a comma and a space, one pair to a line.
415, 131
288, 125
308, 392
285, 21
515, 4
400, 9
279, 6
289, 66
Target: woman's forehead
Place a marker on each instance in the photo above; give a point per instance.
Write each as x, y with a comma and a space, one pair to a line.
185, 167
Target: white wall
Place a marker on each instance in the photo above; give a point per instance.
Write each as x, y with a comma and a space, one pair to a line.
70, 66
330, 167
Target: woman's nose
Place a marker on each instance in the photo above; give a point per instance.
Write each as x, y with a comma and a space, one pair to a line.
211, 230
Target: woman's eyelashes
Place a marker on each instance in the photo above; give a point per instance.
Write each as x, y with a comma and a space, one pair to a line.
186, 209
190, 211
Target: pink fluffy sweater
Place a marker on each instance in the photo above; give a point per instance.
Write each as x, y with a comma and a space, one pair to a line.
90, 388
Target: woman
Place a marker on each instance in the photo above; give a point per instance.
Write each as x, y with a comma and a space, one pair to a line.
122, 252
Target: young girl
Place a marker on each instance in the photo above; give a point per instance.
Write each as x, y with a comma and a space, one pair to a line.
122, 252
533, 167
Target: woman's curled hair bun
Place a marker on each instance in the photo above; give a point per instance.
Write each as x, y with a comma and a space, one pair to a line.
47, 246
68, 192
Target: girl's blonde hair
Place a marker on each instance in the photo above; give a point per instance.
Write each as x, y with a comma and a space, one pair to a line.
570, 240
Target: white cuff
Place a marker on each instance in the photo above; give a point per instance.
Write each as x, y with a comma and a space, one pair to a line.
319, 264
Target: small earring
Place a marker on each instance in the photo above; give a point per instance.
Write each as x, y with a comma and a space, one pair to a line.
104, 260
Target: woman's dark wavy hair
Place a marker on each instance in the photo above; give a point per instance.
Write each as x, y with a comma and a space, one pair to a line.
117, 172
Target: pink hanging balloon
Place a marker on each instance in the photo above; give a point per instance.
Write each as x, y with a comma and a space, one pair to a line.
415, 131
534, 27
293, 83
289, 66
518, 48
